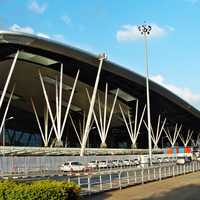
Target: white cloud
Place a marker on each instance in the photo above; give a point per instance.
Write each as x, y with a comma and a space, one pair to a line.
43, 35
58, 37
66, 19
131, 32
17, 28
183, 92
27, 29
36, 7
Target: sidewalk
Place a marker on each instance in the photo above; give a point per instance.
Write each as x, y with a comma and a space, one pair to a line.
184, 187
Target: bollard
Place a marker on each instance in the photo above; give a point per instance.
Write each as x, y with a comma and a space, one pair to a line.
183, 169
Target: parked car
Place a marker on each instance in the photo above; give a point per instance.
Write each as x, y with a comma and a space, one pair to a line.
126, 162
115, 163
72, 166
135, 162
183, 160
180, 161
102, 164
93, 164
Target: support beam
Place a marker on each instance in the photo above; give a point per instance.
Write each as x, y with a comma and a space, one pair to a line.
133, 133
103, 125
89, 117
8, 78
156, 136
6, 110
187, 139
59, 127
176, 133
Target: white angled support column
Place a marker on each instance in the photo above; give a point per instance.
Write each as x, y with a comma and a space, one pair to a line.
93, 98
59, 127
8, 78
188, 138
156, 136
81, 130
133, 133
103, 125
46, 134
173, 139
6, 110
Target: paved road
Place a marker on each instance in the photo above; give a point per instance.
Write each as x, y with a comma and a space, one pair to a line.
185, 187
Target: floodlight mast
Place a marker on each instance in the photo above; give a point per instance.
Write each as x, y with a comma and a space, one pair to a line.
145, 31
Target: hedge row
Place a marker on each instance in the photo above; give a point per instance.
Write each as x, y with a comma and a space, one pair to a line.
43, 190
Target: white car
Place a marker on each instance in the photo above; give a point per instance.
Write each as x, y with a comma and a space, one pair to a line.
180, 161
135, 162
93, 164
102, 164
126, 162
115, 163
72, 166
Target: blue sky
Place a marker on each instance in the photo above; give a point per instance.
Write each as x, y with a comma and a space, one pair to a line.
111, 27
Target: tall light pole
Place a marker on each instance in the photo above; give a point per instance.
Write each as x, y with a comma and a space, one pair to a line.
145, 31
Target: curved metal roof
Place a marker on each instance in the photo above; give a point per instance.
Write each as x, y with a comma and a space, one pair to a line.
130, 81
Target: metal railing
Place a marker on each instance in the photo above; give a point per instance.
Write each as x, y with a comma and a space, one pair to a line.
94, 180
119, 179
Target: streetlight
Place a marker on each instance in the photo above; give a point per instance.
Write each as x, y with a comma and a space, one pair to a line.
4, 129
145, 31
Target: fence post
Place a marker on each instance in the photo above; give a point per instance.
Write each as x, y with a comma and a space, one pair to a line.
173, 174
193, 166
100, 183
148, 174
135, 176
79, 181
142, 175
154, 173
68, 179
89, 186
128, 181
110, 180
119, 176
160, 173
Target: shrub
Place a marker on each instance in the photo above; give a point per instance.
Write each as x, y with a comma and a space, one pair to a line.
46, 189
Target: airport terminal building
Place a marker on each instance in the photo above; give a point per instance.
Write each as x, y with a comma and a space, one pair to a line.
57, 95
